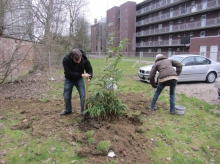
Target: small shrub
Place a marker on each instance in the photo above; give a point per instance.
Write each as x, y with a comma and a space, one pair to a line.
91, 141
89, 134
103, 146
140, 129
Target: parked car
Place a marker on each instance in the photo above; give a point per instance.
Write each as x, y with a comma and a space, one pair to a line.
195, 68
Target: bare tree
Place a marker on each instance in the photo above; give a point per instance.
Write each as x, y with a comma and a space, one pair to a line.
14, 22
53, 17
82, 34
49, 26
75, 9
47, 22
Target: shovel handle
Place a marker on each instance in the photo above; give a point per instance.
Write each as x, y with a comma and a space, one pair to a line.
86, 94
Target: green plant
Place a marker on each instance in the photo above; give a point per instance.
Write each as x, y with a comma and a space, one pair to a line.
89, 134
103, 146
104, 102
140, 129
44, 100
89, 137
91, 141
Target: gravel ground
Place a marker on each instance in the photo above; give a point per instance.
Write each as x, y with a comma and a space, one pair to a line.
200, 90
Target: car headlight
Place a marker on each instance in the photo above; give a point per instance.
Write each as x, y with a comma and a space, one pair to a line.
144, 72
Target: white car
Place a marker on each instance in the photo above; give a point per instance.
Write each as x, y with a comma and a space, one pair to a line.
195, 68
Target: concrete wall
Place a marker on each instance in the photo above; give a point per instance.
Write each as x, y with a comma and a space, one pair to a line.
16, 57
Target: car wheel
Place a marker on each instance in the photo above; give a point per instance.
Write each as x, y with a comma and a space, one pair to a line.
211, 77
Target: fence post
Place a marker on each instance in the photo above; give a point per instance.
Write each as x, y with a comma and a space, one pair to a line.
99, 53
140, 55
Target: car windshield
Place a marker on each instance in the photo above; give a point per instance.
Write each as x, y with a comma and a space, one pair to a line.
177, 58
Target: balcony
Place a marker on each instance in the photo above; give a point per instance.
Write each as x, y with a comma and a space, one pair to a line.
181, 27
157, 6
159, 43
180, 13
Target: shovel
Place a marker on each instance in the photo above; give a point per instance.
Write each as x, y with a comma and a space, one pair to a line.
86, 94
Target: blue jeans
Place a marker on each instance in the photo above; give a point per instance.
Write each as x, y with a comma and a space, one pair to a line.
68, 88
160, 87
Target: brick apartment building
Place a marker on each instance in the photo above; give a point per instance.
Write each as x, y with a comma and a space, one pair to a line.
122, 21
169, 26
98, 35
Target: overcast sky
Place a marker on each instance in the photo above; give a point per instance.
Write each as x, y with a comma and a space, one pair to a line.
98, 8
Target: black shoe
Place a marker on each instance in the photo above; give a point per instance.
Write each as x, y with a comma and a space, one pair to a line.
87, 115
65, 113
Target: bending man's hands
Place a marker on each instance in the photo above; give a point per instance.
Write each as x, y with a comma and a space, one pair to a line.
86, 75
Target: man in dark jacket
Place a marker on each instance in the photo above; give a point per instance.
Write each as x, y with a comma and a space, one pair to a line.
168, 76
74, 64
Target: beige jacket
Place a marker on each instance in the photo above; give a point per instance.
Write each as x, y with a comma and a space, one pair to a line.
165, 68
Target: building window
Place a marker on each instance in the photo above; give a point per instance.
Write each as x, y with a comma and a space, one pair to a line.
110, 24
178, 49
179, 21
150, 39
219, 32
202, 34
180, 7
159, 38
96, 29
191, 34
193, 3
159, 26
191, 18
160, 13
150, 5
179, 35
101, 30
126, 30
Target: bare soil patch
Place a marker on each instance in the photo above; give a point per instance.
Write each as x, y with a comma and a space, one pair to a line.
125, 134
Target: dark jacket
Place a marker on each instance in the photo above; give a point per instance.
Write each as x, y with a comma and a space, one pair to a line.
165, 68
74, 71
